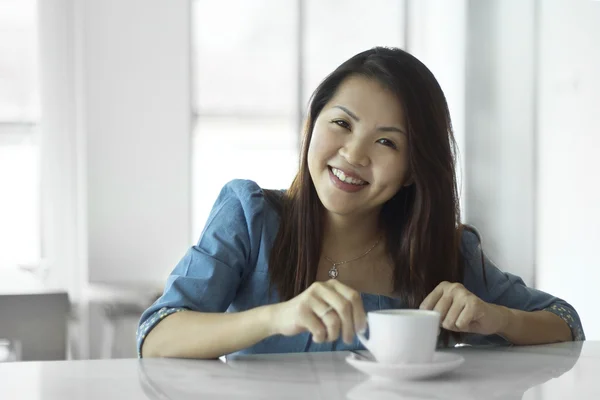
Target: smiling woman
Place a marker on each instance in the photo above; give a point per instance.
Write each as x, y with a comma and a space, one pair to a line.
375, 193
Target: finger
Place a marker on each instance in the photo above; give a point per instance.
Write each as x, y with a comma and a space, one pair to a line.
359, 316
443, 306
343, 309
432, 298
333, 324
328, 316
453, 313
471, 313
312, 322
319, 307
316, 327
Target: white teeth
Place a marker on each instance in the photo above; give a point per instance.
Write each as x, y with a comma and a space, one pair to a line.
342, 177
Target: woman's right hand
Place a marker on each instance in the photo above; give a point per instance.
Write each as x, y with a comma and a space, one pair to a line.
324, 309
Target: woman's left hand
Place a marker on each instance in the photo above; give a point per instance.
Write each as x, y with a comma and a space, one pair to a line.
462, 311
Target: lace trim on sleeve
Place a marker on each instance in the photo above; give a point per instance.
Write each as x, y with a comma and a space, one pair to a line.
150, 323
567, 316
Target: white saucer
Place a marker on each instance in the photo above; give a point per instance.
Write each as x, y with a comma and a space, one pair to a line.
442, 363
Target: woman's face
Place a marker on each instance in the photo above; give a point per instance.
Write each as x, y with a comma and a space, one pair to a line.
358, 154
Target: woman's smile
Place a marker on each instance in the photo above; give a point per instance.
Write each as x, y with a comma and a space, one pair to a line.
344, 182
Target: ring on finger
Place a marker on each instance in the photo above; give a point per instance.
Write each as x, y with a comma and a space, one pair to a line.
326, 311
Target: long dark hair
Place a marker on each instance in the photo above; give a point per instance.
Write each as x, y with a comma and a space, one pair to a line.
421, 222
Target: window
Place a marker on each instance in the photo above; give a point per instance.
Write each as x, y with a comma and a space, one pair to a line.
255, 65
19, 114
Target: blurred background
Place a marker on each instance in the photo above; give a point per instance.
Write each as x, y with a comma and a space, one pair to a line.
120, 120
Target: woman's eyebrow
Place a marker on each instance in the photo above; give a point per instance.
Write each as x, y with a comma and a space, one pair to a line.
350, 113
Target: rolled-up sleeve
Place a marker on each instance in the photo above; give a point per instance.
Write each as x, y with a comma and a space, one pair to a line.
509, 290
207, 277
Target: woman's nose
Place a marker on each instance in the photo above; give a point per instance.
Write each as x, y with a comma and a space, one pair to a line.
355, 153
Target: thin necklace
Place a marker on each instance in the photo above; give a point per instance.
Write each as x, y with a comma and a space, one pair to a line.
334, 272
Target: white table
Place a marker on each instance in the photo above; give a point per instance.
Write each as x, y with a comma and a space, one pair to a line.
564, 371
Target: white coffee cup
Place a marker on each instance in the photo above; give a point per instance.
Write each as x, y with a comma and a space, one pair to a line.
402, 336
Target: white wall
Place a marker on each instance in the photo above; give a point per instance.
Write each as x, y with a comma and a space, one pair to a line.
500, 131
137, 124
436, 34
63, 233
568, 228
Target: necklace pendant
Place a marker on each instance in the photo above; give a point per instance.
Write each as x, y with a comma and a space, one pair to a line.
333, 272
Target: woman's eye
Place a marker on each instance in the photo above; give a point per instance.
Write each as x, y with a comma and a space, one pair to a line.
341, 123
387, 142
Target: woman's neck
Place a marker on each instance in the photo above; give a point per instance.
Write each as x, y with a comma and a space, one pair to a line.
347, 237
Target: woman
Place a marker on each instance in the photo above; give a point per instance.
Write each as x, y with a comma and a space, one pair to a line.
371, 221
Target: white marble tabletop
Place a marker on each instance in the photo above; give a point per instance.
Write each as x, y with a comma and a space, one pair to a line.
563, 371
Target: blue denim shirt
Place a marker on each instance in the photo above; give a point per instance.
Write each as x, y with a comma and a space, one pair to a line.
227, 271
